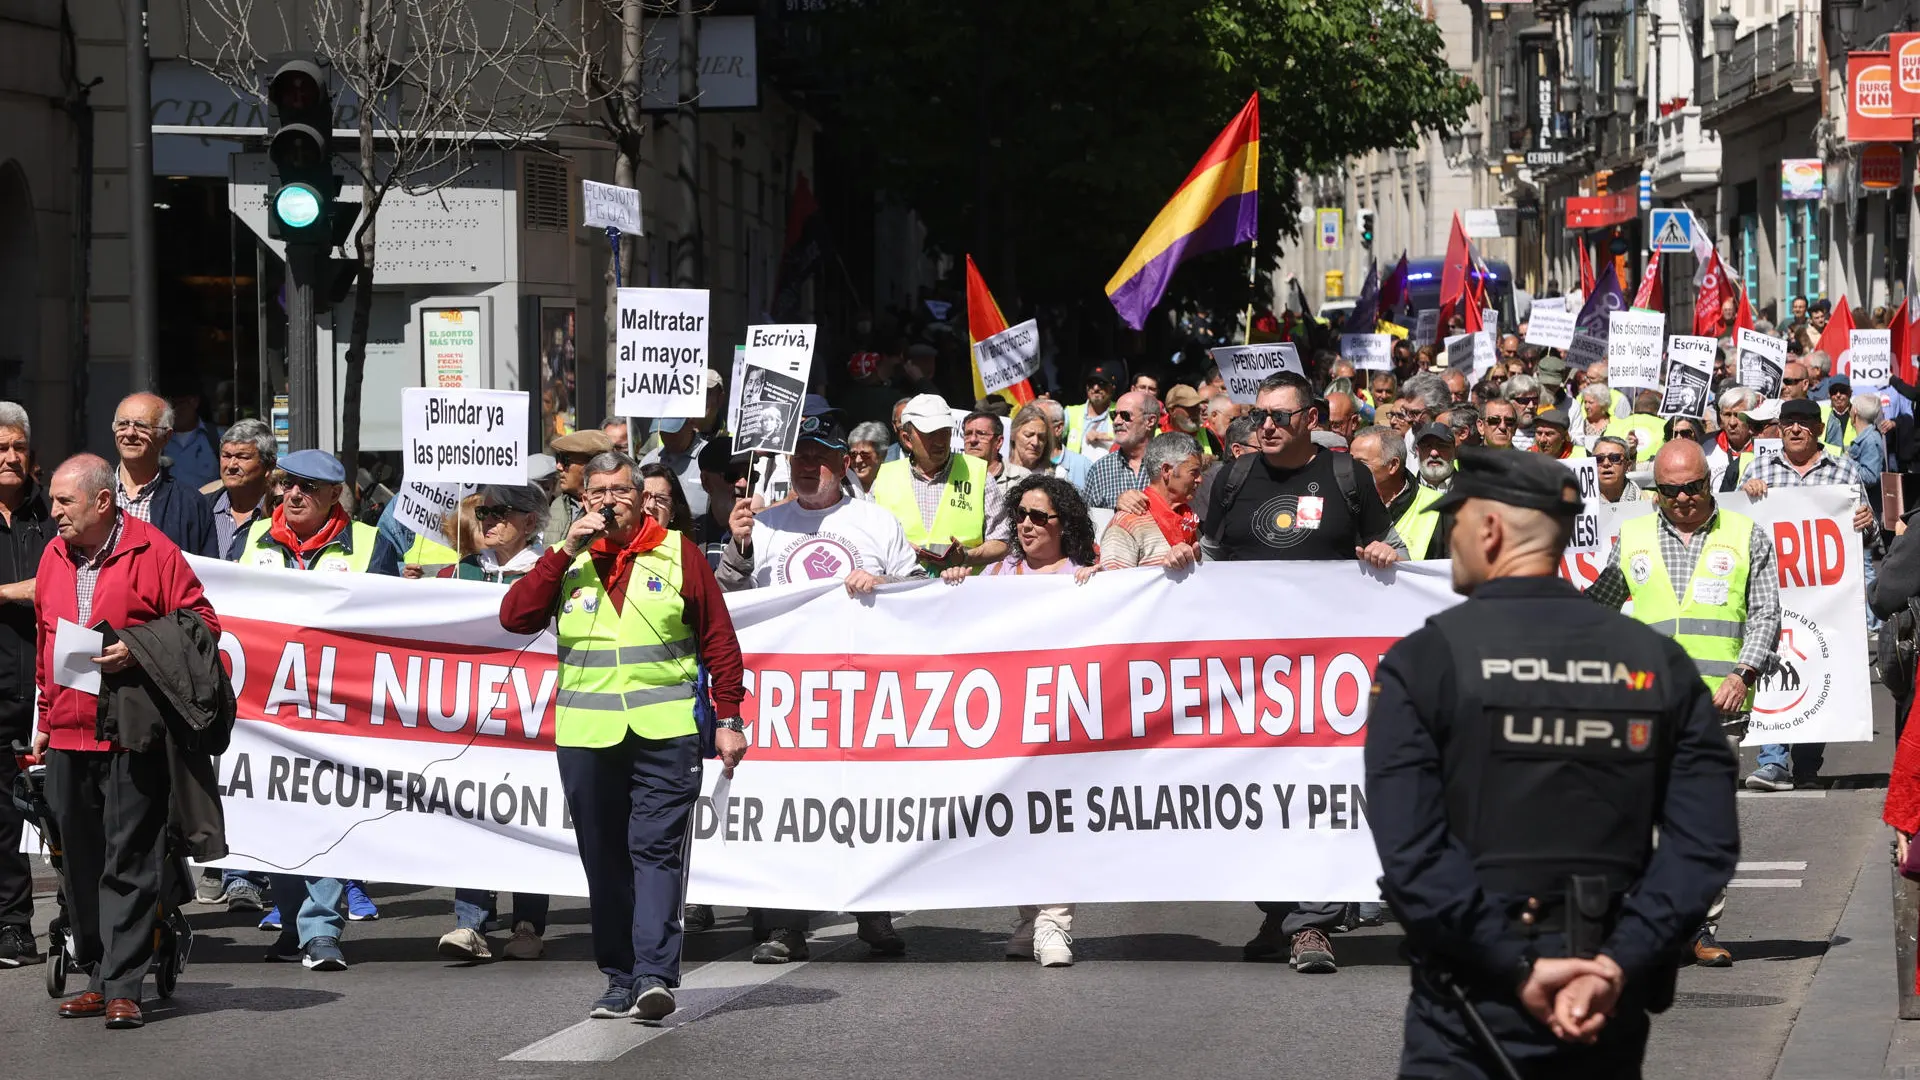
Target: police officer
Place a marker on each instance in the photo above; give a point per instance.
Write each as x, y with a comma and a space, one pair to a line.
1522, 749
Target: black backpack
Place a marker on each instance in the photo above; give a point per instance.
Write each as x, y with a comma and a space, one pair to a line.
1235, 477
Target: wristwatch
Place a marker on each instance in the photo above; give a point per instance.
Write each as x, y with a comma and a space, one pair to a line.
735, 725
1748, 674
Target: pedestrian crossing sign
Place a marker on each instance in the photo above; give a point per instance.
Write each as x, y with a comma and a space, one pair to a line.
1672, 230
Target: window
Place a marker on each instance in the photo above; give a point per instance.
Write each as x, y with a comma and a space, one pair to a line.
1800, 248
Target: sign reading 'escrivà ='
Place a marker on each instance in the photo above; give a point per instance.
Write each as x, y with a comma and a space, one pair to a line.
660, 369
456, 436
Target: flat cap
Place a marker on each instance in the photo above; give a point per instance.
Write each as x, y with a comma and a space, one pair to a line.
1552, 369
582, 442
1513, 477
1799, 409
1552, 418
314, 465
1183, 396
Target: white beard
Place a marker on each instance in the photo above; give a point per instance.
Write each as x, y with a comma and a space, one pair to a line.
1436, 474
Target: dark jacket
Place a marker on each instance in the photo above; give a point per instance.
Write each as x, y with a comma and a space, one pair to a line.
180, 695
20, 546
184, 516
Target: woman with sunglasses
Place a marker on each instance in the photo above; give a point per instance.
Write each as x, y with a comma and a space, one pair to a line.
1051, 533
506, 534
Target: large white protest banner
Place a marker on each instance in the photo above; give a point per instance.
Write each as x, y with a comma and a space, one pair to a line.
1550, 327
660, 367
1009, 356
773, 387
1760, 361
1871, 356
1243, 366
1689, 375
1819, 692
1369, 352
1634, 340
459, 436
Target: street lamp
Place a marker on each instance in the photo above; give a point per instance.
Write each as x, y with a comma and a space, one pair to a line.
1450, 144
1472, 134
1509, 103
1625, 96
1400, 157
1724, 27
1845, 17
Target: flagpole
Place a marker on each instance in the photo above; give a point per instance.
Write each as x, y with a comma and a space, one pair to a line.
1253, 276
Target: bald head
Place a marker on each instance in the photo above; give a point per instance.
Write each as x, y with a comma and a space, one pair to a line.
88, 473
80, 497
141, 426
1681, 461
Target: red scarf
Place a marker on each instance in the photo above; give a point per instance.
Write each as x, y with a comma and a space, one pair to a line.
650, 536
327, 533
1180, 525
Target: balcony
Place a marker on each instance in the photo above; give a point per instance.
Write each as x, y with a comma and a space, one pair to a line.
1780, 57
1686, 155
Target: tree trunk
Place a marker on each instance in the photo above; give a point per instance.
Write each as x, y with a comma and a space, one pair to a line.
370, 194
626, 162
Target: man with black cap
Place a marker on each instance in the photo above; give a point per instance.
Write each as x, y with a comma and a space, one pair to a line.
821, 534
1090, 426
1836, 416
1801, 462
1522, 749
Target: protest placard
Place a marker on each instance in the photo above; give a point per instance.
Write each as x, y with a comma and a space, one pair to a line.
610, 207
1550, 328
1586, 527
1689, 375
1426, 328
773, 387
1369, 352
1008, 357
661, 364
424, 508
733, 388
1586, 349
1871, 355
1490, 320
1243, 366
1460, 352
1760, 361
459, 436
1634, 339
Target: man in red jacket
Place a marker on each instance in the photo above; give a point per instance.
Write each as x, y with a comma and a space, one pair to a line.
106, 566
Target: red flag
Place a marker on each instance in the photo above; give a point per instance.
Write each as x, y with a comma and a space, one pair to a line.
1453, 280
1647, 297
983, 321
1586, 268
1901, 337
1717, 286
1836, 341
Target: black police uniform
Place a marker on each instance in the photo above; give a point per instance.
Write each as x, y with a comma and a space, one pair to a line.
1521, 749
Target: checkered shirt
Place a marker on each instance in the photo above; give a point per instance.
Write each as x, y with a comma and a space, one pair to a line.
1681, 556
86, 572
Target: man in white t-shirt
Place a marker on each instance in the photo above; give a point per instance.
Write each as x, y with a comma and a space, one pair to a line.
818, 535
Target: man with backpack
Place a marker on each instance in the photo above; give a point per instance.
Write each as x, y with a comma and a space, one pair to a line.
1294, 500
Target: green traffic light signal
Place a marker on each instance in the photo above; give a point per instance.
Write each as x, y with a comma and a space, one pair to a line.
296, 206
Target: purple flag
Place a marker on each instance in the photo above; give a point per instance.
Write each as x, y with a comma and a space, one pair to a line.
1606, 299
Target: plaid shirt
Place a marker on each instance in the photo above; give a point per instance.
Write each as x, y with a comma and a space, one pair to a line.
87, 572
1773, 470
1681, 556
927, 492
141, 505
1111, 477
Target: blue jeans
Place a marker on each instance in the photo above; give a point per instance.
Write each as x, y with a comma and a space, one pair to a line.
314, 907
1808, 756
251, 877
470, 907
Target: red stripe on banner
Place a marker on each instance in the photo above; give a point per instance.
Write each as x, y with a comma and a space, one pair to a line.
837, 707
1199, 695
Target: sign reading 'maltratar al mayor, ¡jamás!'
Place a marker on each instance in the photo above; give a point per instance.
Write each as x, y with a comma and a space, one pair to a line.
660, 367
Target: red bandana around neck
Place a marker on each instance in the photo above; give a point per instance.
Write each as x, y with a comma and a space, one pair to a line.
651, 535
326, 534
1179, 526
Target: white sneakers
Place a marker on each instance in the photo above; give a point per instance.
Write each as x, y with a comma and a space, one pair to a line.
1042, 941
465, 944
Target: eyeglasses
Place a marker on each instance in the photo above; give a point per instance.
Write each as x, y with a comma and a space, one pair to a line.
1034, 517
1609, 459
1280, 417
622, 492
656, 498
1695, 488
121, 424
1500, 421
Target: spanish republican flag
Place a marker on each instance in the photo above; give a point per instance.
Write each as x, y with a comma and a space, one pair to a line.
1217, 207
983, 321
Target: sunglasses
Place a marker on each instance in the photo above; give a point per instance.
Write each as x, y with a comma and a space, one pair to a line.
1609, 459
492, 513
1499, 421
1033, 517
1280, 417
1799, 422
301, 483
1695, 488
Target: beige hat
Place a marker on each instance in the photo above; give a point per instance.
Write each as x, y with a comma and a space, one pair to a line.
582, 442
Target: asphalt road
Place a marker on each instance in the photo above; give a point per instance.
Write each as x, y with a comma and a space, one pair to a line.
1159, 990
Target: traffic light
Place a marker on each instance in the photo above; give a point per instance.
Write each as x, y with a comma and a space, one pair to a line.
1366, 229
300, 145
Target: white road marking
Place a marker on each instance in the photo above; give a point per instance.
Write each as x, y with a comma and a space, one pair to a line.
1816, 793
1760, 867
1763, 883
701, 991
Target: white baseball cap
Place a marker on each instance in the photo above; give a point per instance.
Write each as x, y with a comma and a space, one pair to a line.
1766, 412
927, 413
